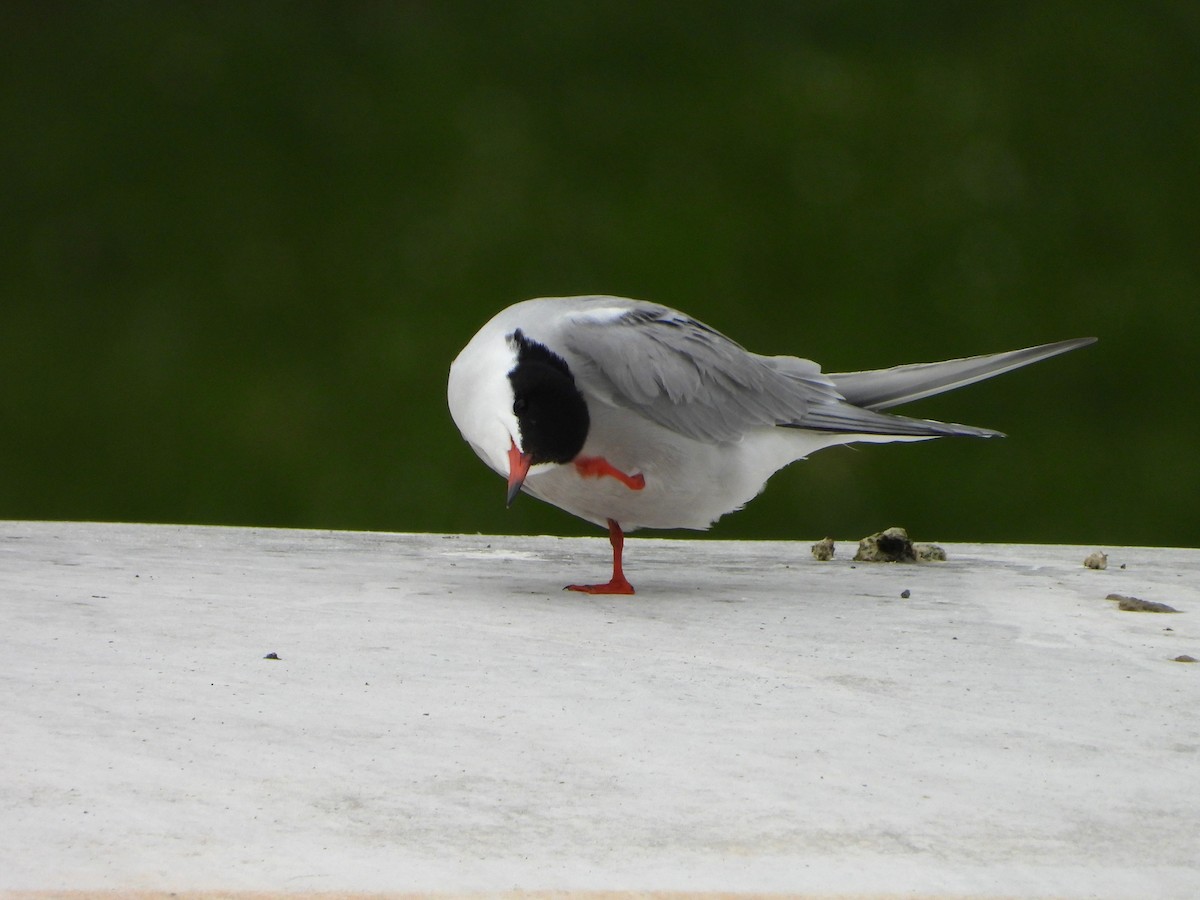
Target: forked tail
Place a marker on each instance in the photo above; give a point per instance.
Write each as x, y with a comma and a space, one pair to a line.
885, 388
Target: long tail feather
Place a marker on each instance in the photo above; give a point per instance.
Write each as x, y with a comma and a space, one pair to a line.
884, 388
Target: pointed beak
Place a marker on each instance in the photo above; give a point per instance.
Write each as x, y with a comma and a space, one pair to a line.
518, 468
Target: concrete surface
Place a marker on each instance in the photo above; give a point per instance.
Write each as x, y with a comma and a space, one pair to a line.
443, 717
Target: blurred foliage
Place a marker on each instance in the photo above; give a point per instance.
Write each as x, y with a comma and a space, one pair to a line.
242, 243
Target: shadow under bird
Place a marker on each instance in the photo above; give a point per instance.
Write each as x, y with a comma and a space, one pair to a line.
634, 415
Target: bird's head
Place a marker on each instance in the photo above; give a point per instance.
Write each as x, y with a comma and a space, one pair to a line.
516, 403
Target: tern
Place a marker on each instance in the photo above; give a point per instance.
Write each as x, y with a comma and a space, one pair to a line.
634, 415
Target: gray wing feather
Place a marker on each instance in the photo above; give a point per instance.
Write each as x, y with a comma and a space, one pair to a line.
843, 418
884, 388
687, 377
692, 379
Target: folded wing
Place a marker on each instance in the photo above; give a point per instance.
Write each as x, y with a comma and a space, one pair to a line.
692, 379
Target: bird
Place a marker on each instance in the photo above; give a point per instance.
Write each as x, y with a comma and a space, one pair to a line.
630, 414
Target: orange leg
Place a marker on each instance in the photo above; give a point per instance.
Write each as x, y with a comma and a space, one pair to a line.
617, 584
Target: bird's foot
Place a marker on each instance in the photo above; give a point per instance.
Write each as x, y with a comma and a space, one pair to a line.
616, 586
598, 466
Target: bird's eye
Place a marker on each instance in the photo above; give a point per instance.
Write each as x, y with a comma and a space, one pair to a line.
520, 405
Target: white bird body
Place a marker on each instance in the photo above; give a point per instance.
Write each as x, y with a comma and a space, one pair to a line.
634, 415
688, 483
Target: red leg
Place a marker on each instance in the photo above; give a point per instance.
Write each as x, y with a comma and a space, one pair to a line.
598, 467
618, 584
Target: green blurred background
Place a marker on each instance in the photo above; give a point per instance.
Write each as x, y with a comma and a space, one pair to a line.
242, 243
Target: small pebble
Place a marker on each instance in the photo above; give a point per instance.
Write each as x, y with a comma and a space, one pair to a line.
1096, 560
1184, 658
271, 656
823, 549
905, 594
929, 553
890, 545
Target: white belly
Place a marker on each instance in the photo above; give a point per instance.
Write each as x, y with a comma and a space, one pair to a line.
688, 483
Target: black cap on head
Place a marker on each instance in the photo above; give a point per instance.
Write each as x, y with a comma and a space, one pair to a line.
550, 410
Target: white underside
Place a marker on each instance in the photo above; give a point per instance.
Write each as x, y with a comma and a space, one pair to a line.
689, 483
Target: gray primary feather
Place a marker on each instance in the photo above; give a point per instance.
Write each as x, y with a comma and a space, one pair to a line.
883, 388
692, 379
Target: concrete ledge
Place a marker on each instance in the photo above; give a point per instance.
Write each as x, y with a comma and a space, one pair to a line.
442, 717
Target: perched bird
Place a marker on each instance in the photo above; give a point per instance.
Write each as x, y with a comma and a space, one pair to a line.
634, 415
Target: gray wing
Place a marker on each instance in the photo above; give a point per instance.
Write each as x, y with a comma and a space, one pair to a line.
688, 377
884, 388
692, 379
